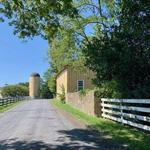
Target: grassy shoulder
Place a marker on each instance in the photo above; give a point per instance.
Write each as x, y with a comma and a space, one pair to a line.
5, 108
128, 137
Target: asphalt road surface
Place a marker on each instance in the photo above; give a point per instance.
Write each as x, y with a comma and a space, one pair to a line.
37, 125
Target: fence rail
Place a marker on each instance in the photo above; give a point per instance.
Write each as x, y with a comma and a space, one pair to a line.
133, 112
10, 100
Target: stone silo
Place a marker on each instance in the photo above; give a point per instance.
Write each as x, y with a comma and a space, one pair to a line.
34, 85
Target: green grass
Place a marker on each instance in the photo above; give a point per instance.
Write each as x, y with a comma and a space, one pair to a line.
124, 135
5, 108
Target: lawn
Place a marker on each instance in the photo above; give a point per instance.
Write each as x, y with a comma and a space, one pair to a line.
129, 137
5, 108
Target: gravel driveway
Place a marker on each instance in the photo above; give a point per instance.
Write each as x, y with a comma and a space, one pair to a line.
37, 125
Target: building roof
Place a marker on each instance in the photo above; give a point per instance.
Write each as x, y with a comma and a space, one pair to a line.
35, 74
64, 68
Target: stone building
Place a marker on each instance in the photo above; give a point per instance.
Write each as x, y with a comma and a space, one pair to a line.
73, 80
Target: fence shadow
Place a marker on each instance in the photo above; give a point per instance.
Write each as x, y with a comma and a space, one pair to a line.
131, 138
92, 139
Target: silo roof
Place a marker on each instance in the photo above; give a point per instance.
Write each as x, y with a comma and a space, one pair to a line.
35, 74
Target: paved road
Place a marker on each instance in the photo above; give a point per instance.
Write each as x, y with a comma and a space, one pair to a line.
36, 125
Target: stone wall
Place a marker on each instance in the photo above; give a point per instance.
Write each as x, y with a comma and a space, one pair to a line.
88, 103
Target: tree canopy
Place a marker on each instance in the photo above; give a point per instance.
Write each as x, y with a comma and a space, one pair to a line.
109, 37
121, 58
38, 17
45, 91
15, 90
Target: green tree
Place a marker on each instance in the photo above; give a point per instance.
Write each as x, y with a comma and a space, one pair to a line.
14, 90
65, 48
52, 84
64, 51
121, 56
45, 91
38, 17
26, 84
50, 78
62, 22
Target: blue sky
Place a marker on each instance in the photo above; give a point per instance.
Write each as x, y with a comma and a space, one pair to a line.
19, 59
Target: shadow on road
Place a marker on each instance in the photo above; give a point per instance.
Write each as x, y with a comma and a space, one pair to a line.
76, 139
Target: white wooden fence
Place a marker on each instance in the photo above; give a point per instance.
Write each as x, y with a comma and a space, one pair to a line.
133, 112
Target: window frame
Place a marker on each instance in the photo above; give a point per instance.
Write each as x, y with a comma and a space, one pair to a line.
80, 86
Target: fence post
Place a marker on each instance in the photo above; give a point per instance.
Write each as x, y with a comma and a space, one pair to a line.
102, 101
3, 102
121, 110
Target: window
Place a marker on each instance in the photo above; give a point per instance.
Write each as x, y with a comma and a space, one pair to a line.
80, 85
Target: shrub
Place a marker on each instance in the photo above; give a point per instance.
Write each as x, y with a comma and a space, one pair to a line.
14, 90
83, 92
62, 95
108, 89
45, 91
